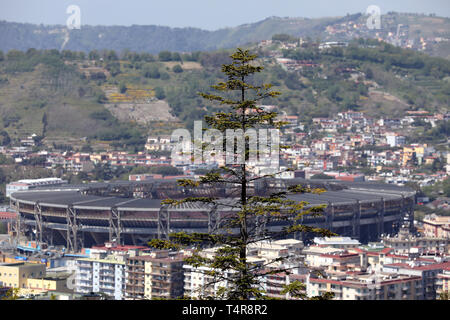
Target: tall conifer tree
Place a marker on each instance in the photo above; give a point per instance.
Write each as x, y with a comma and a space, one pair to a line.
250, 210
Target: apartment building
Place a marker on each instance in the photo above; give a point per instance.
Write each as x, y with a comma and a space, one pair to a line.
437, 226
278, 252
275, 284
106, 275
199, 282
16, 275
47, 283
337, 242
158, 274
316, 256
403, 242
428, 274
27, 184
443, 282
367, 287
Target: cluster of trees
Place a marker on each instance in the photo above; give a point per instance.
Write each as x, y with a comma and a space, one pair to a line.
153, 72
133, 57
391, 56
439, 133
104, 172
438, 189
283, 37
122, 135
16, 61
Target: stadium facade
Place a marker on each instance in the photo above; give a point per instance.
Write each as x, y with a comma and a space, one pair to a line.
130, 212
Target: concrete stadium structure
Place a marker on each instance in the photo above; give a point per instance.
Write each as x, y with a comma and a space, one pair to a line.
132, 212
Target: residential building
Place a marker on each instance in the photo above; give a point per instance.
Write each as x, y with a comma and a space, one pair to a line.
437, 226
395, 140
26, 184
443, 282
275, 284
198, 281
428, 274
403, 242
16, 275
367, 287
105, 274
337, 242
155, 275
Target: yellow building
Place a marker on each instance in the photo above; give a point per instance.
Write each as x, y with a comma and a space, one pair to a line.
443, 282
410, 151
37, 285
16, 275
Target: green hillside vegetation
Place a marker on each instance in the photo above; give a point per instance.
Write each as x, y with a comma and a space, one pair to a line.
73, 94
154, 39
41, 93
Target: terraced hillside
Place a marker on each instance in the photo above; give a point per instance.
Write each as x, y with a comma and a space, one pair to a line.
120, 98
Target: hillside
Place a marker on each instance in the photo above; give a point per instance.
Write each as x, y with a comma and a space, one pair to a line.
116, 100
428, 33
42, 94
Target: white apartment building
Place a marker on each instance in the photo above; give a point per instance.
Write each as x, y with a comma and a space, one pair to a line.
198, 282
337, 242
105, 275
316, 256
395, 140
27, 184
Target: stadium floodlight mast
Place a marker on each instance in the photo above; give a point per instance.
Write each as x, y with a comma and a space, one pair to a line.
232, 275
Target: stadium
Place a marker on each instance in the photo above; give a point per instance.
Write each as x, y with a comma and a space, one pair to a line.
131, 212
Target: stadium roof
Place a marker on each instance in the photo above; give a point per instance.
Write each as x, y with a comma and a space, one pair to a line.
73, 195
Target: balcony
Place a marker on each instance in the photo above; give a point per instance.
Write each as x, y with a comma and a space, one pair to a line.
106, 281
106, 267
131, 272
274, 280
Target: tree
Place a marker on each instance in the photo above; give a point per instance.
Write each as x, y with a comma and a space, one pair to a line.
166, 171
321, 176
3, 177
122, 87
165, 56
11, 294
369, 73
44, 123
250, 210
176, 57
4, 138
151, 72
159, 93
446, 187
177, 68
